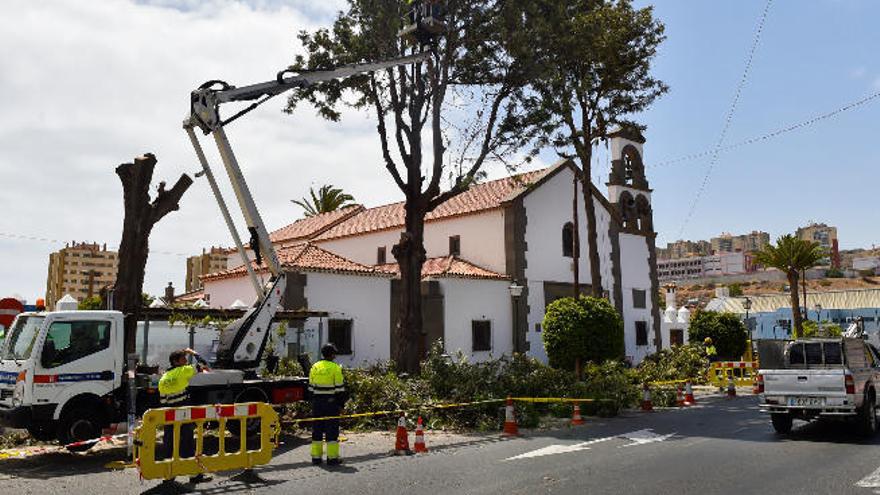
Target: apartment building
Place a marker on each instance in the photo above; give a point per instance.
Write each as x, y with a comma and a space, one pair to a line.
826, 236
211, 260
80, 269
729, 243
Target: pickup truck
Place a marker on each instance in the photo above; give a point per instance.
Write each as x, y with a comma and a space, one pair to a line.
62, 377
822, 378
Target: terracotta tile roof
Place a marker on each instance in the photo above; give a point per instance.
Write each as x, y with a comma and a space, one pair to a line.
481, 197
448, 266
306, 228
305, 257
191, 296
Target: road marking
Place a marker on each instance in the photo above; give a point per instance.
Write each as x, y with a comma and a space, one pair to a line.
638, 437
642, 437
559, 449
870, 481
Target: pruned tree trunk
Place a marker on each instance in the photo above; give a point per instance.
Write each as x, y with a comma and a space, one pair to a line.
141, 215
592, 236
410, 254
796, 320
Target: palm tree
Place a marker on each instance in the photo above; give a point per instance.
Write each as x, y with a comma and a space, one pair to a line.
792, 256
326, 200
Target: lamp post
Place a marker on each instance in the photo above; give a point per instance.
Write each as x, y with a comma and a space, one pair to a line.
515, 292
747, 305
819, 318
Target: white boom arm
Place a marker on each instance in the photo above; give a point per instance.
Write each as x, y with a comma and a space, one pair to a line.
242, 344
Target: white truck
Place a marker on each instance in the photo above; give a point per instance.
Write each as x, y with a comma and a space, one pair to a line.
822, 378
62, 375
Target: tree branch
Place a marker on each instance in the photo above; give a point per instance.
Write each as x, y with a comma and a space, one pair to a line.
383, 135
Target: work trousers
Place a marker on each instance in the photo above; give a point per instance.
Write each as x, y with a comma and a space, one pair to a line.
327, 429
187, 440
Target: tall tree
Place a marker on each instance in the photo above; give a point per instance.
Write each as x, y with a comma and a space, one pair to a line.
592, 72
791, 255
327, 199
141, 215
462, 96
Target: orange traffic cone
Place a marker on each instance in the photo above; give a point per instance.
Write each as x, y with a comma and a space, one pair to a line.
510, 427
731, 388
689, 394
576, 418
679, 398
419, 446
647, 405
401, 445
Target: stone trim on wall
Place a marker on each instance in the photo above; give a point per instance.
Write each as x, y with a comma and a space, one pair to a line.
515, 248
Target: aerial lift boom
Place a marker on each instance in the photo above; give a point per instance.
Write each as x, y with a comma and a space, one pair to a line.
242, 344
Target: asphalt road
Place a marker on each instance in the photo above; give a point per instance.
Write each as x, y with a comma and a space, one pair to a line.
720, 446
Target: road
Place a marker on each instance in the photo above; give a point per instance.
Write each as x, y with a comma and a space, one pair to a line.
721, 446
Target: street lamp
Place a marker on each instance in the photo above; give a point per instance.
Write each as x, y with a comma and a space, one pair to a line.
515, 293
819, 318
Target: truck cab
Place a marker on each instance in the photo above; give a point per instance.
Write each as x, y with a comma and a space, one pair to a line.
59, 372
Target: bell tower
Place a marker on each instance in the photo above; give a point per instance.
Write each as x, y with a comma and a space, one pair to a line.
628, 188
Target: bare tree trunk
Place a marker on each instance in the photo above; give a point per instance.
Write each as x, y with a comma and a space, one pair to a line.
804, 287
795, 304
140, 217
575, 238
592, 235
410, 255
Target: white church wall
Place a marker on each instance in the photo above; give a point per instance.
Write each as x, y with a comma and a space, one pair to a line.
635, 274
467, 300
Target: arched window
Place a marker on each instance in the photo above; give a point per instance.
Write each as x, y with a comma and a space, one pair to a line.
568, 240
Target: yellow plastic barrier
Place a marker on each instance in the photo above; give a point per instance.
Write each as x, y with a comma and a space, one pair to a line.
743, 373
223, 456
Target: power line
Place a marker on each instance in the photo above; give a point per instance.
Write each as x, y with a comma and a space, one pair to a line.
770, 135
729, 117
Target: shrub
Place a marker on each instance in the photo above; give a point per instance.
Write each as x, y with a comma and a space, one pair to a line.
834, 273
588, 329
735, 289
685, 362
811, 329
727, 331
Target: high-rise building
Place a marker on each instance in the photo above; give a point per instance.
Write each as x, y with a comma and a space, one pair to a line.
80, 269
683, 249
210, 261
826, 237
729, 243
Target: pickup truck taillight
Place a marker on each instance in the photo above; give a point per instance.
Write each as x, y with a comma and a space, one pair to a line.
759, 384
850, 384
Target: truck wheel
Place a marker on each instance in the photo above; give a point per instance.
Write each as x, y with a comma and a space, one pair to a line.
868, 416
77, 424
782, 423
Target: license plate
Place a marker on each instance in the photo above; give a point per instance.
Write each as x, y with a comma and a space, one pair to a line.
806, 401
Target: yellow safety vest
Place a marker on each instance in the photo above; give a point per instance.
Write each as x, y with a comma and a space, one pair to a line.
325, 378
173, 385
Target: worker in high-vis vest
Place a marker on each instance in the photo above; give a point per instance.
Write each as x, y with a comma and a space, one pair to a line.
174, 392
711, 353
328, 393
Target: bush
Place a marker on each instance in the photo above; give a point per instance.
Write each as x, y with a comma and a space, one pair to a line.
685, 362
727, 331
811, 329
834, 273
735, 289
588, 329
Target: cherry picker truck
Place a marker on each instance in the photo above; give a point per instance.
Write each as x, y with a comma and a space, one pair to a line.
62, 372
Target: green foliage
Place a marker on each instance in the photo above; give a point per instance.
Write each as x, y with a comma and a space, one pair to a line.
811, 329
834, 273
588, 329
735, 289
90, 303
684, 362
327, 199
728, 333
146, 300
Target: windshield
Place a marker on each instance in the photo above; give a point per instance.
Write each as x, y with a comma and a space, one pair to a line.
20, 339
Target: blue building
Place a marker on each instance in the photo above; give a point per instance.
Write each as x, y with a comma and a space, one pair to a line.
771, 316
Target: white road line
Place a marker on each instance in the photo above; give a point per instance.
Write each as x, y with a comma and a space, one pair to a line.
870, 481
559, 449
638, 437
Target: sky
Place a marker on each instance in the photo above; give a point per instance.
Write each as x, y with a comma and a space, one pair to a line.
85, 86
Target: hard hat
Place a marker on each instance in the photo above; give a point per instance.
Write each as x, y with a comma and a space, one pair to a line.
707, 340
328, 351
